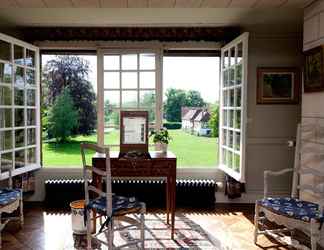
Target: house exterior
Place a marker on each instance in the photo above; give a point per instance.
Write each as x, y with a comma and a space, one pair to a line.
195, 120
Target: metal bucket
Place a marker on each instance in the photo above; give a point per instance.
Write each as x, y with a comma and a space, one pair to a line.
77, 216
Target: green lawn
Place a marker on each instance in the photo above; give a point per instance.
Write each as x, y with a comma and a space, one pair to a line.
191, 151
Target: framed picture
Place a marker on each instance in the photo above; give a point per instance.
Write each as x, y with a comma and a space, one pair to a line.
314, 70
278, 85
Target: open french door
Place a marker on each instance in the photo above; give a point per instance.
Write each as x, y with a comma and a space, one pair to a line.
19, 106
232, 126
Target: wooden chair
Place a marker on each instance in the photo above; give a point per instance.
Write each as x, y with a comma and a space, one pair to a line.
291, 212
10, 200
114, 208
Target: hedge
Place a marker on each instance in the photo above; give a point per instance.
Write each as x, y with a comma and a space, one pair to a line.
172, 125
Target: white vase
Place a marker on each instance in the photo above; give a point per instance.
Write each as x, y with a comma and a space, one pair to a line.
164, 147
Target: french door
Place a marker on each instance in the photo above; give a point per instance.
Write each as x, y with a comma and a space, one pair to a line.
19, 106
232, 127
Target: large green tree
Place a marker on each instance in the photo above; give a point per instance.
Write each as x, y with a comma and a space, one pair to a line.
72, 71
214, 120
63, 117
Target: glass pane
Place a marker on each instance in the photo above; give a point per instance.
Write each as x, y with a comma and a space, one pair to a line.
19, 77
238, 68
230, 159
30, 77
31, 97
5, 140
5, 51
19, 118
231, 118
238, 97
19, 96
238, 119
225, 62
30, 58
20, 159
225, 117
237, 141
6, 162
224, 137
129, 62
225, 98
112, 137
31, 155
231, 76
236, 162
147, 80
129, 80
111, 80
111, 119
129, 99
19, 55
5, 73
230, 139
20, 138
231, 99
225, 78
111, 62
5, 118
239, 52
232, 56
147, 101
5, 95
31, 136
224, 156
31, 117
111, 99
147, 61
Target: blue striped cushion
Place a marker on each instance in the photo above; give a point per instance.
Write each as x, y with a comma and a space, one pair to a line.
8, 196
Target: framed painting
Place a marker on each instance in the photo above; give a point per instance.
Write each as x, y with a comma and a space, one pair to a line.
278, 85
314, 70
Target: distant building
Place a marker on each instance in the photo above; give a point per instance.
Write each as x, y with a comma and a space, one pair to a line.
195, 120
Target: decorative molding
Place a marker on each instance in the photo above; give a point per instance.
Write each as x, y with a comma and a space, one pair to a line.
165, 34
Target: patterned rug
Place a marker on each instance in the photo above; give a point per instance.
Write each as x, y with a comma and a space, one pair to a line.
188, 235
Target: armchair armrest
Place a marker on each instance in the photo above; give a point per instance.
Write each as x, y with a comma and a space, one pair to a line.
268, 173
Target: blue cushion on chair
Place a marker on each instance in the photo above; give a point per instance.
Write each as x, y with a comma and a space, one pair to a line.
119, 204
8, 196
294, 208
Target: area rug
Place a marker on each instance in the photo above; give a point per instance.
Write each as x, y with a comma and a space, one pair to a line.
188, 235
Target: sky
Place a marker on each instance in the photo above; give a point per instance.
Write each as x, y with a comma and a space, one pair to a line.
187, 73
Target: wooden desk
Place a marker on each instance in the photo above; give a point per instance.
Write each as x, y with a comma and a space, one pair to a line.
160, 165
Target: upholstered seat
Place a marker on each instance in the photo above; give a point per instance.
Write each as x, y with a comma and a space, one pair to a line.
294, 208
8, 196
120, 205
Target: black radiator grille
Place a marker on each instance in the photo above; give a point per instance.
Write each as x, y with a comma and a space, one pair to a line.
190, 193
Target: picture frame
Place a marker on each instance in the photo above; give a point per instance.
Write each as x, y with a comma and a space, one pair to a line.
314, 70
278, 85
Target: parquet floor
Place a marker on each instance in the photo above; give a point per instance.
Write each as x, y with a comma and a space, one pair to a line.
51, 229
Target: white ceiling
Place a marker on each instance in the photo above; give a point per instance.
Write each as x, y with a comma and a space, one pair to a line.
152, 3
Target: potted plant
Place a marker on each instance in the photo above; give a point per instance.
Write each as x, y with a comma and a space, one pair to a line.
162, 138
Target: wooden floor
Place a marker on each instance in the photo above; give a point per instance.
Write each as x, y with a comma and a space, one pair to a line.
48, 229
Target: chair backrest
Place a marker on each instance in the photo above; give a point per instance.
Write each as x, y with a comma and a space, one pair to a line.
89, 169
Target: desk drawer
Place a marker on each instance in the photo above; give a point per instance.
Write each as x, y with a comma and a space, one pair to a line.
131, 168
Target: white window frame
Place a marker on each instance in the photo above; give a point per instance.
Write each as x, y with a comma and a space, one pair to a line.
101, 89
27, 167
239, 176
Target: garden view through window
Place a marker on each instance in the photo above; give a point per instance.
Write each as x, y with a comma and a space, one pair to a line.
190, 104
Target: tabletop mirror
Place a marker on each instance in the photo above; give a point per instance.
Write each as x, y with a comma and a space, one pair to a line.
133, 131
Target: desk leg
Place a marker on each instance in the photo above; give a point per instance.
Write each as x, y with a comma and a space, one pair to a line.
168, 200
173, 204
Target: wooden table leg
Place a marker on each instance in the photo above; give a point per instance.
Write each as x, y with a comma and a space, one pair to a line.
173, 205
168, 200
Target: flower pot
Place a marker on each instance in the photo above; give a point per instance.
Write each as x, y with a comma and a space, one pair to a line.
77, 214
164, 147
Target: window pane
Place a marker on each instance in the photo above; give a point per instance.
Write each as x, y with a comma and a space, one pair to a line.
238, 97
224, 156
20, 138
236, 162
5, 51
224, 137
31, 136
30, 58
232, 56
231, 103
30, 77
231, 118
6, 162
31, 155
19, 96
225, 62
147, 80
111, 62
5, 140
129, 80
111, 80
31, 97
129, 99
147, 101
111, 119
231, 76
225, 118
31, 117
239, 52
5, 73
230, 159
5, 118
19, 118
112, 137
237, 119
238, 68
225, 78
5, 95
225, 98
237, 141
111, 99
19, 55
147, 61
20, 159
19, 77
129, 61
230, 139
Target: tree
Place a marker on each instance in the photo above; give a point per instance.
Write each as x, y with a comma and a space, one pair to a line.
148, 102
62, 117
214, 120
72, 71
194, 99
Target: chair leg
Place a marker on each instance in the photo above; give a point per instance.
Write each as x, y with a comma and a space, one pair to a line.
1, 228
111, 234
88, 230
21, 212
314, 234
142, 230
256, 223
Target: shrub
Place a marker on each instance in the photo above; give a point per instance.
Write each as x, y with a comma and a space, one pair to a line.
62, 117
214, 121
172, 125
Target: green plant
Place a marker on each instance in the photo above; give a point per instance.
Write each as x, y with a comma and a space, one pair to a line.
161, 136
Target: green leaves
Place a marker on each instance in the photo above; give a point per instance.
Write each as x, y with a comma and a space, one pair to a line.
161, 136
